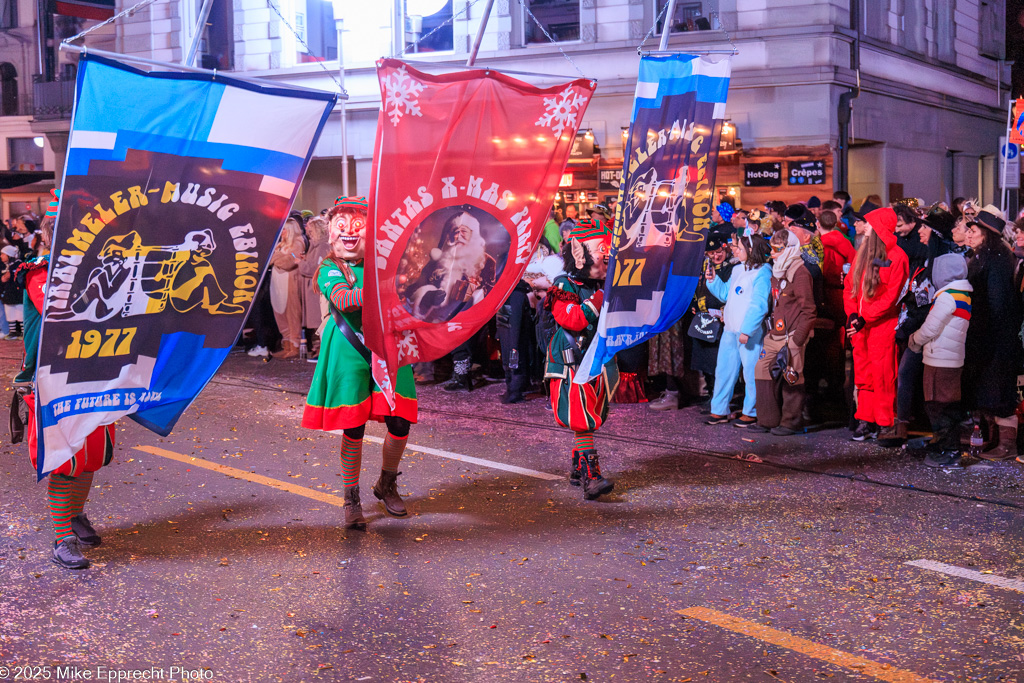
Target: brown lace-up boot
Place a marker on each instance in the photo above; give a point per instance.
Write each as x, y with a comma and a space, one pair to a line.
353, 509
386, 490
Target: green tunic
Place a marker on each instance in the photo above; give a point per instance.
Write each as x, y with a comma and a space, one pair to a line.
343, 394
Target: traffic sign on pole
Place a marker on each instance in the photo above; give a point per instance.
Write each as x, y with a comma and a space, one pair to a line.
1009, 164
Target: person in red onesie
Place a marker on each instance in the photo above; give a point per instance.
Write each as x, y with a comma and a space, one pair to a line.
838, 259
873, 288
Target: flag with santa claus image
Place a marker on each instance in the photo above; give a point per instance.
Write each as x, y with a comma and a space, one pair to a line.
465, 171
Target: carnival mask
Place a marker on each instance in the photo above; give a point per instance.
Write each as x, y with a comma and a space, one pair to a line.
599, 249
348, 236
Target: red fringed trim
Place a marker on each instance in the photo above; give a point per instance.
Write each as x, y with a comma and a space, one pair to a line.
631, 388
34, 264
558, 294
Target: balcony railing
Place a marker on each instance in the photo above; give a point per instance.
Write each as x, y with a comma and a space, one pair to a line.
52, 100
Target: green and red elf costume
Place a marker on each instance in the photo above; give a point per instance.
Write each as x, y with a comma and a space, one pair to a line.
574, 301
67, 487
343, 395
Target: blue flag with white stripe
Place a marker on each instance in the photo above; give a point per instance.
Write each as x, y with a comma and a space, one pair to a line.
176, 187
665, 201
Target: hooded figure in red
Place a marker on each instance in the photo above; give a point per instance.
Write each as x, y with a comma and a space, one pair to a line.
875, 285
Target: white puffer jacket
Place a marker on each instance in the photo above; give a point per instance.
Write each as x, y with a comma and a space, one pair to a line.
944, 331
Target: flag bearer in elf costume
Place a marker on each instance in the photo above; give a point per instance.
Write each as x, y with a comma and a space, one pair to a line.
343, 395
575, 303
67, 487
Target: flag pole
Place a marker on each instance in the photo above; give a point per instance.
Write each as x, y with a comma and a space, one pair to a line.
204, 14
1006, 159
340, 26
663, 45
480, 33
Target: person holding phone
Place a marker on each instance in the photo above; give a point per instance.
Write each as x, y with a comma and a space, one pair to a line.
745, 294
704, 351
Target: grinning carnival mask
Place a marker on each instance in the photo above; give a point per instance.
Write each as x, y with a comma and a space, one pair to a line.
347, 231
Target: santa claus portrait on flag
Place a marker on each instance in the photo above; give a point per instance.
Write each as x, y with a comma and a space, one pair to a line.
462, 269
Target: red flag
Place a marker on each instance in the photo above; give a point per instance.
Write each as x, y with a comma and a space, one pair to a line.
465, 170
1017, 127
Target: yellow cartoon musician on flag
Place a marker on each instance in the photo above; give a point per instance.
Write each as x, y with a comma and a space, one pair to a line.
136, 280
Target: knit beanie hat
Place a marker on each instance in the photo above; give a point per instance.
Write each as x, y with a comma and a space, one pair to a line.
358, 203
587, 229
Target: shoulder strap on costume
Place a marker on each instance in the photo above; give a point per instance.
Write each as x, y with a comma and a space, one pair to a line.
353, 337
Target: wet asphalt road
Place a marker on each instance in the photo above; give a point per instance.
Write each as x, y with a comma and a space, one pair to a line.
508, 576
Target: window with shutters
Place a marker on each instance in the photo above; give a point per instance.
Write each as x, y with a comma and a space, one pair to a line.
8, 13
945, 30
913, 23
875, 18
992, 29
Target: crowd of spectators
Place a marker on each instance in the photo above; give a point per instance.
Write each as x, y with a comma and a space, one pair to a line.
815, 314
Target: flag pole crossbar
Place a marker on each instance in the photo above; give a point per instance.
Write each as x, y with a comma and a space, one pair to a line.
462, 67
130, 59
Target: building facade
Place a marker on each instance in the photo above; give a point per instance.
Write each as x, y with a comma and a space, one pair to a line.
899, 98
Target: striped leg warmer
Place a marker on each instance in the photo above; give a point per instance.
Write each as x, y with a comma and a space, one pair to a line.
394, 446
584, 442
351, 460
81, 486
60, 493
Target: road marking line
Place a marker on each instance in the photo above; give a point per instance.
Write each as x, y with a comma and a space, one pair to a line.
860, 665
243, 474
953, 570
547, 476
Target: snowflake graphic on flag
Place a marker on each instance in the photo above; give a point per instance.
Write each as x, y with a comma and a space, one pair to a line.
407, 347
381, 376
560, 111
402, 95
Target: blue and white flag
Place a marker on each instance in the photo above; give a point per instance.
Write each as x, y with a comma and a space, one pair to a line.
176, 186
665, 201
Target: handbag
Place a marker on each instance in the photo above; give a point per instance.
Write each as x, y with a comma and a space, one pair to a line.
781, 363
705, 327
19, 415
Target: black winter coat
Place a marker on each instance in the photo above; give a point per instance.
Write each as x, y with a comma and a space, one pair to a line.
11, 293
993, 348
